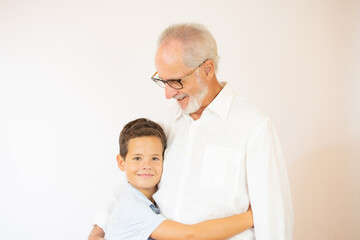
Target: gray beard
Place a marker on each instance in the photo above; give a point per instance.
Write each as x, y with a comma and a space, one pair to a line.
194, 103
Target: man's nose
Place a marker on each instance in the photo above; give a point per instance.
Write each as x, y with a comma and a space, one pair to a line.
169, 91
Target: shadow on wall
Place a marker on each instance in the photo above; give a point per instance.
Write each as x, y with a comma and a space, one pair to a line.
325, 186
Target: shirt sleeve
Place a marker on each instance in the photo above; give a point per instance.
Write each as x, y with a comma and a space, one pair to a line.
102, 215
133, 220
268, 186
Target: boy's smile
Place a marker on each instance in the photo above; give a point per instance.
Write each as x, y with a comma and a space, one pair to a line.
143, 163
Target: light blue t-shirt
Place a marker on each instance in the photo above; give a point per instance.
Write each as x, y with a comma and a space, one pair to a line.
134, 217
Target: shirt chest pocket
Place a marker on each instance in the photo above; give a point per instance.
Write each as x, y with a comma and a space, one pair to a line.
221, 169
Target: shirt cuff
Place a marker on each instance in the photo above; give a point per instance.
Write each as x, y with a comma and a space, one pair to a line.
101, 219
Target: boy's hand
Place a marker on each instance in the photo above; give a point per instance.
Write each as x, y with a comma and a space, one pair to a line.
97, 233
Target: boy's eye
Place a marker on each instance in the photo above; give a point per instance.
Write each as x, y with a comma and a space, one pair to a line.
137, 158
155, 159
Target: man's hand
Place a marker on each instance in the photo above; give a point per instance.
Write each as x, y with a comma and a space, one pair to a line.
97, 233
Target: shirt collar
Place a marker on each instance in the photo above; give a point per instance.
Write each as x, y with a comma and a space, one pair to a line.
222, 102
220, 105
179, 113
138, 194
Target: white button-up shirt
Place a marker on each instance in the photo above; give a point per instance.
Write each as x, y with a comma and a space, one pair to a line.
219, 164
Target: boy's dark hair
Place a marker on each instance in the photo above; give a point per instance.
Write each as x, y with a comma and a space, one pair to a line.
140, 127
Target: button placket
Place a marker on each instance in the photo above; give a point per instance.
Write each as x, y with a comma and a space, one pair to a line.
186, 169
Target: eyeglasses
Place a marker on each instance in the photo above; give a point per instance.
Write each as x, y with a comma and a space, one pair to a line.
174, 83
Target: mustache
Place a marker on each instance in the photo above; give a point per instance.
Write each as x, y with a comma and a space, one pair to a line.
180, 96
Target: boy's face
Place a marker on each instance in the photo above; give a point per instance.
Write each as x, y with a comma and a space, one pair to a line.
143, 162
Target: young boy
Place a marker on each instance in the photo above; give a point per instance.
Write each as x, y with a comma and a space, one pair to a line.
136, 216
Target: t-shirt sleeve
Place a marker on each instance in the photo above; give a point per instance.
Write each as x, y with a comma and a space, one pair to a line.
132, 219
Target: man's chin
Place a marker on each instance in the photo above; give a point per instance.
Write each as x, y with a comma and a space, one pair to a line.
188, 105
190, 109
183, 103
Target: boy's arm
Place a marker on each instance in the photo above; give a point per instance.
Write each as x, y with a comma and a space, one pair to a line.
221, 228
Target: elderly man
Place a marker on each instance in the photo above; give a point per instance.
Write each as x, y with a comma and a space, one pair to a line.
223, 151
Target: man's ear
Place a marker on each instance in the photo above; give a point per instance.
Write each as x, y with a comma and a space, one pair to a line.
209, 69
121, 162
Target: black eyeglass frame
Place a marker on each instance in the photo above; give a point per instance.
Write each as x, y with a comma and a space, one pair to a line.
169, 82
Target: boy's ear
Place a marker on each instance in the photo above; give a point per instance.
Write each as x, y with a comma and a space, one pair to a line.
120, 162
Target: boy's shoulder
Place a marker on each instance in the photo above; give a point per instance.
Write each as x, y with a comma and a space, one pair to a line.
132, 205
132, 217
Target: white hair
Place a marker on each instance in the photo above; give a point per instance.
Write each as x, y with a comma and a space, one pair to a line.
198, 43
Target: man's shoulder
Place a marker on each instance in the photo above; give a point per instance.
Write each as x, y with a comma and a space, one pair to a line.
238, 107
244, 109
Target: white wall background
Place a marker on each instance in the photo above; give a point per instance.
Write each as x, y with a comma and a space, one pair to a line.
73, 72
